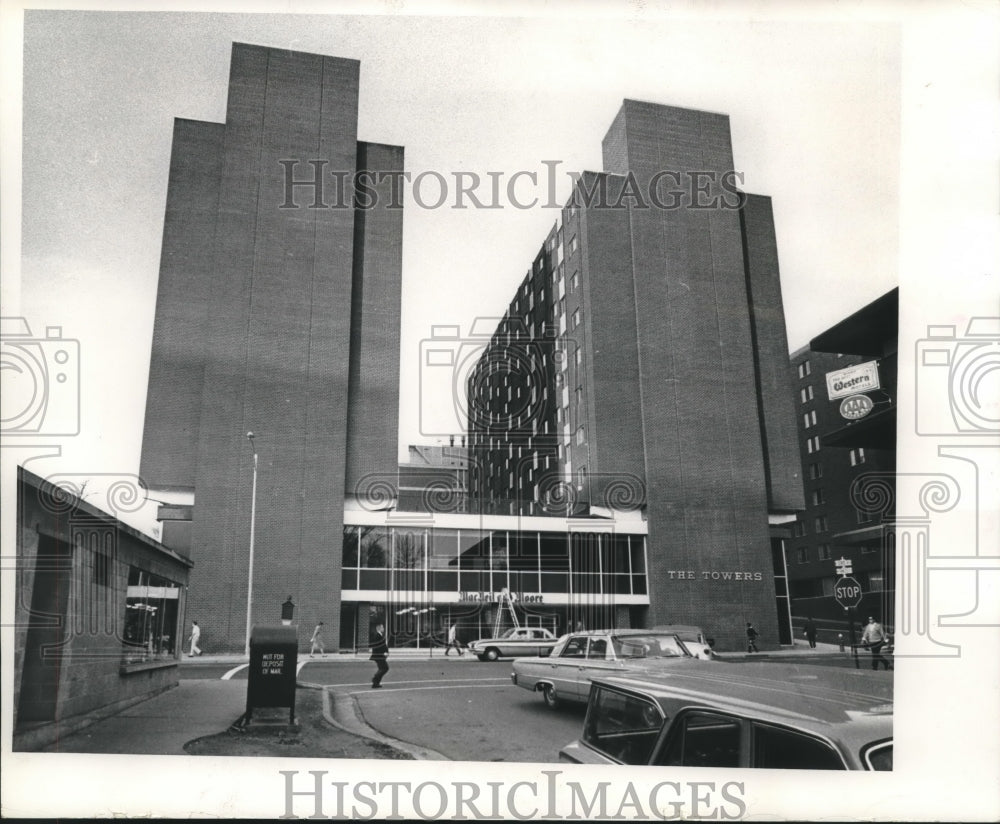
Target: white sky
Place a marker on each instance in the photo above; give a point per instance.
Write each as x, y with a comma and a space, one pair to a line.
814, 110
872, 126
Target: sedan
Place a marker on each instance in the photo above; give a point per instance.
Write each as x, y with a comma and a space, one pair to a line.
565, 674
772, 716
515, 642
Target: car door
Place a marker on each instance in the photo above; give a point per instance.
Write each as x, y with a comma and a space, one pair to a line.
600, 661
565, 668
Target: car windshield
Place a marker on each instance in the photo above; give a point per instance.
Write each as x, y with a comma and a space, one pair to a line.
508, 633
647, 646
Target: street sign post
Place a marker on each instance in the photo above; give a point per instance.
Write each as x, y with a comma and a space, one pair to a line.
847, 591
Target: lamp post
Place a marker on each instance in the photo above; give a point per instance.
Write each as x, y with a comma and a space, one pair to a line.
253, 519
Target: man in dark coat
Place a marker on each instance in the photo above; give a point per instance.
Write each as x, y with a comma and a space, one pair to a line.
811, 632
751, 638
380, 651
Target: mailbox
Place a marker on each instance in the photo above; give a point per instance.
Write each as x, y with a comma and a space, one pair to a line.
271, 678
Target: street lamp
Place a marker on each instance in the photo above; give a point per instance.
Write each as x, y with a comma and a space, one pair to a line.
253, 518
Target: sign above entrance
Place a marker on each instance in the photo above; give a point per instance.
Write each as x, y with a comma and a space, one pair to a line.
466, 597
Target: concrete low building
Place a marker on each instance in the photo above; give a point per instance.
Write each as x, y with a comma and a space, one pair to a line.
99, 618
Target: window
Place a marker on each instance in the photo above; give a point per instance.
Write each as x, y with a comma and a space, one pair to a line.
815, 471
799, 529
809, 419
857, 456
702, 739
579, 435
622, 726
151, 617
875, 582
574, 281
824, 552
879, 756
780, 749
572, 244
581, 477
806, 394
817, 497
576, 319
802, 555
812, 445
578, 355
575, 648
579, 396
804, 369
820, 523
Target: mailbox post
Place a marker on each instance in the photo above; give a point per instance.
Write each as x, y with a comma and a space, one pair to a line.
271, 677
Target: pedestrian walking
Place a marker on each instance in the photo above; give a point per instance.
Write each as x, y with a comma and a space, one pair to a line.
811, 632
380, 651
195, 637
453, 640
316, 641
874, 639
751, 638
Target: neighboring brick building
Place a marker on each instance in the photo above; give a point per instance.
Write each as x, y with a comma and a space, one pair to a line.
98, 615
848, 466
277, 318
642, 362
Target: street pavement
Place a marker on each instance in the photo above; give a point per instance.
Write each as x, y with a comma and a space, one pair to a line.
211, 696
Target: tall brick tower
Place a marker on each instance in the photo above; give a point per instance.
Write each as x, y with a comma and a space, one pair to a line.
277, 315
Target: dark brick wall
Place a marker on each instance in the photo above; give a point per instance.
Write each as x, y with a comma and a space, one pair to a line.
705, 475
278, 344
187, 261
776, 393
610, 360
373, 395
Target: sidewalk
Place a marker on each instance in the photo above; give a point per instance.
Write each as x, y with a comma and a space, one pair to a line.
163, 724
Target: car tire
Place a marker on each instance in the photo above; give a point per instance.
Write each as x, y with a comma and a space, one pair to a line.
492, 654
549, 696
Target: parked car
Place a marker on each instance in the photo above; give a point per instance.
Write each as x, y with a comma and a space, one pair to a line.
694, 639
565, 674
776, 716
515, 642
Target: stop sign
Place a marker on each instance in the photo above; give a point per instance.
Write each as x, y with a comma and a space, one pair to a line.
847, 591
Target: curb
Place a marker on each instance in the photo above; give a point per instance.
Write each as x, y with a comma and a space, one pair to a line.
342, 711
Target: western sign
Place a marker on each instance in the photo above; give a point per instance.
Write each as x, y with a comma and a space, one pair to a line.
853, 380
847, 591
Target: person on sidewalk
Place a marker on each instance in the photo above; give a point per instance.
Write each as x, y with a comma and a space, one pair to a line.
751, 638
811, 632
195, 636
380, 652
874, 638
316, 641
453, 640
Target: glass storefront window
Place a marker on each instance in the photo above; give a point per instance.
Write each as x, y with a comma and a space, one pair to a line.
350, 556
374, 547
553, 553
637, 549
443, 549
408, 549
474, 549
151, 611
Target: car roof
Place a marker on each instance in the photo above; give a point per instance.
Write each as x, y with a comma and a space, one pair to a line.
678, 628
856, 705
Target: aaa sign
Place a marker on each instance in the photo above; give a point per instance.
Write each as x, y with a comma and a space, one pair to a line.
847, 591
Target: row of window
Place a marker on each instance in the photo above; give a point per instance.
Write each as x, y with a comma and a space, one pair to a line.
823, 552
